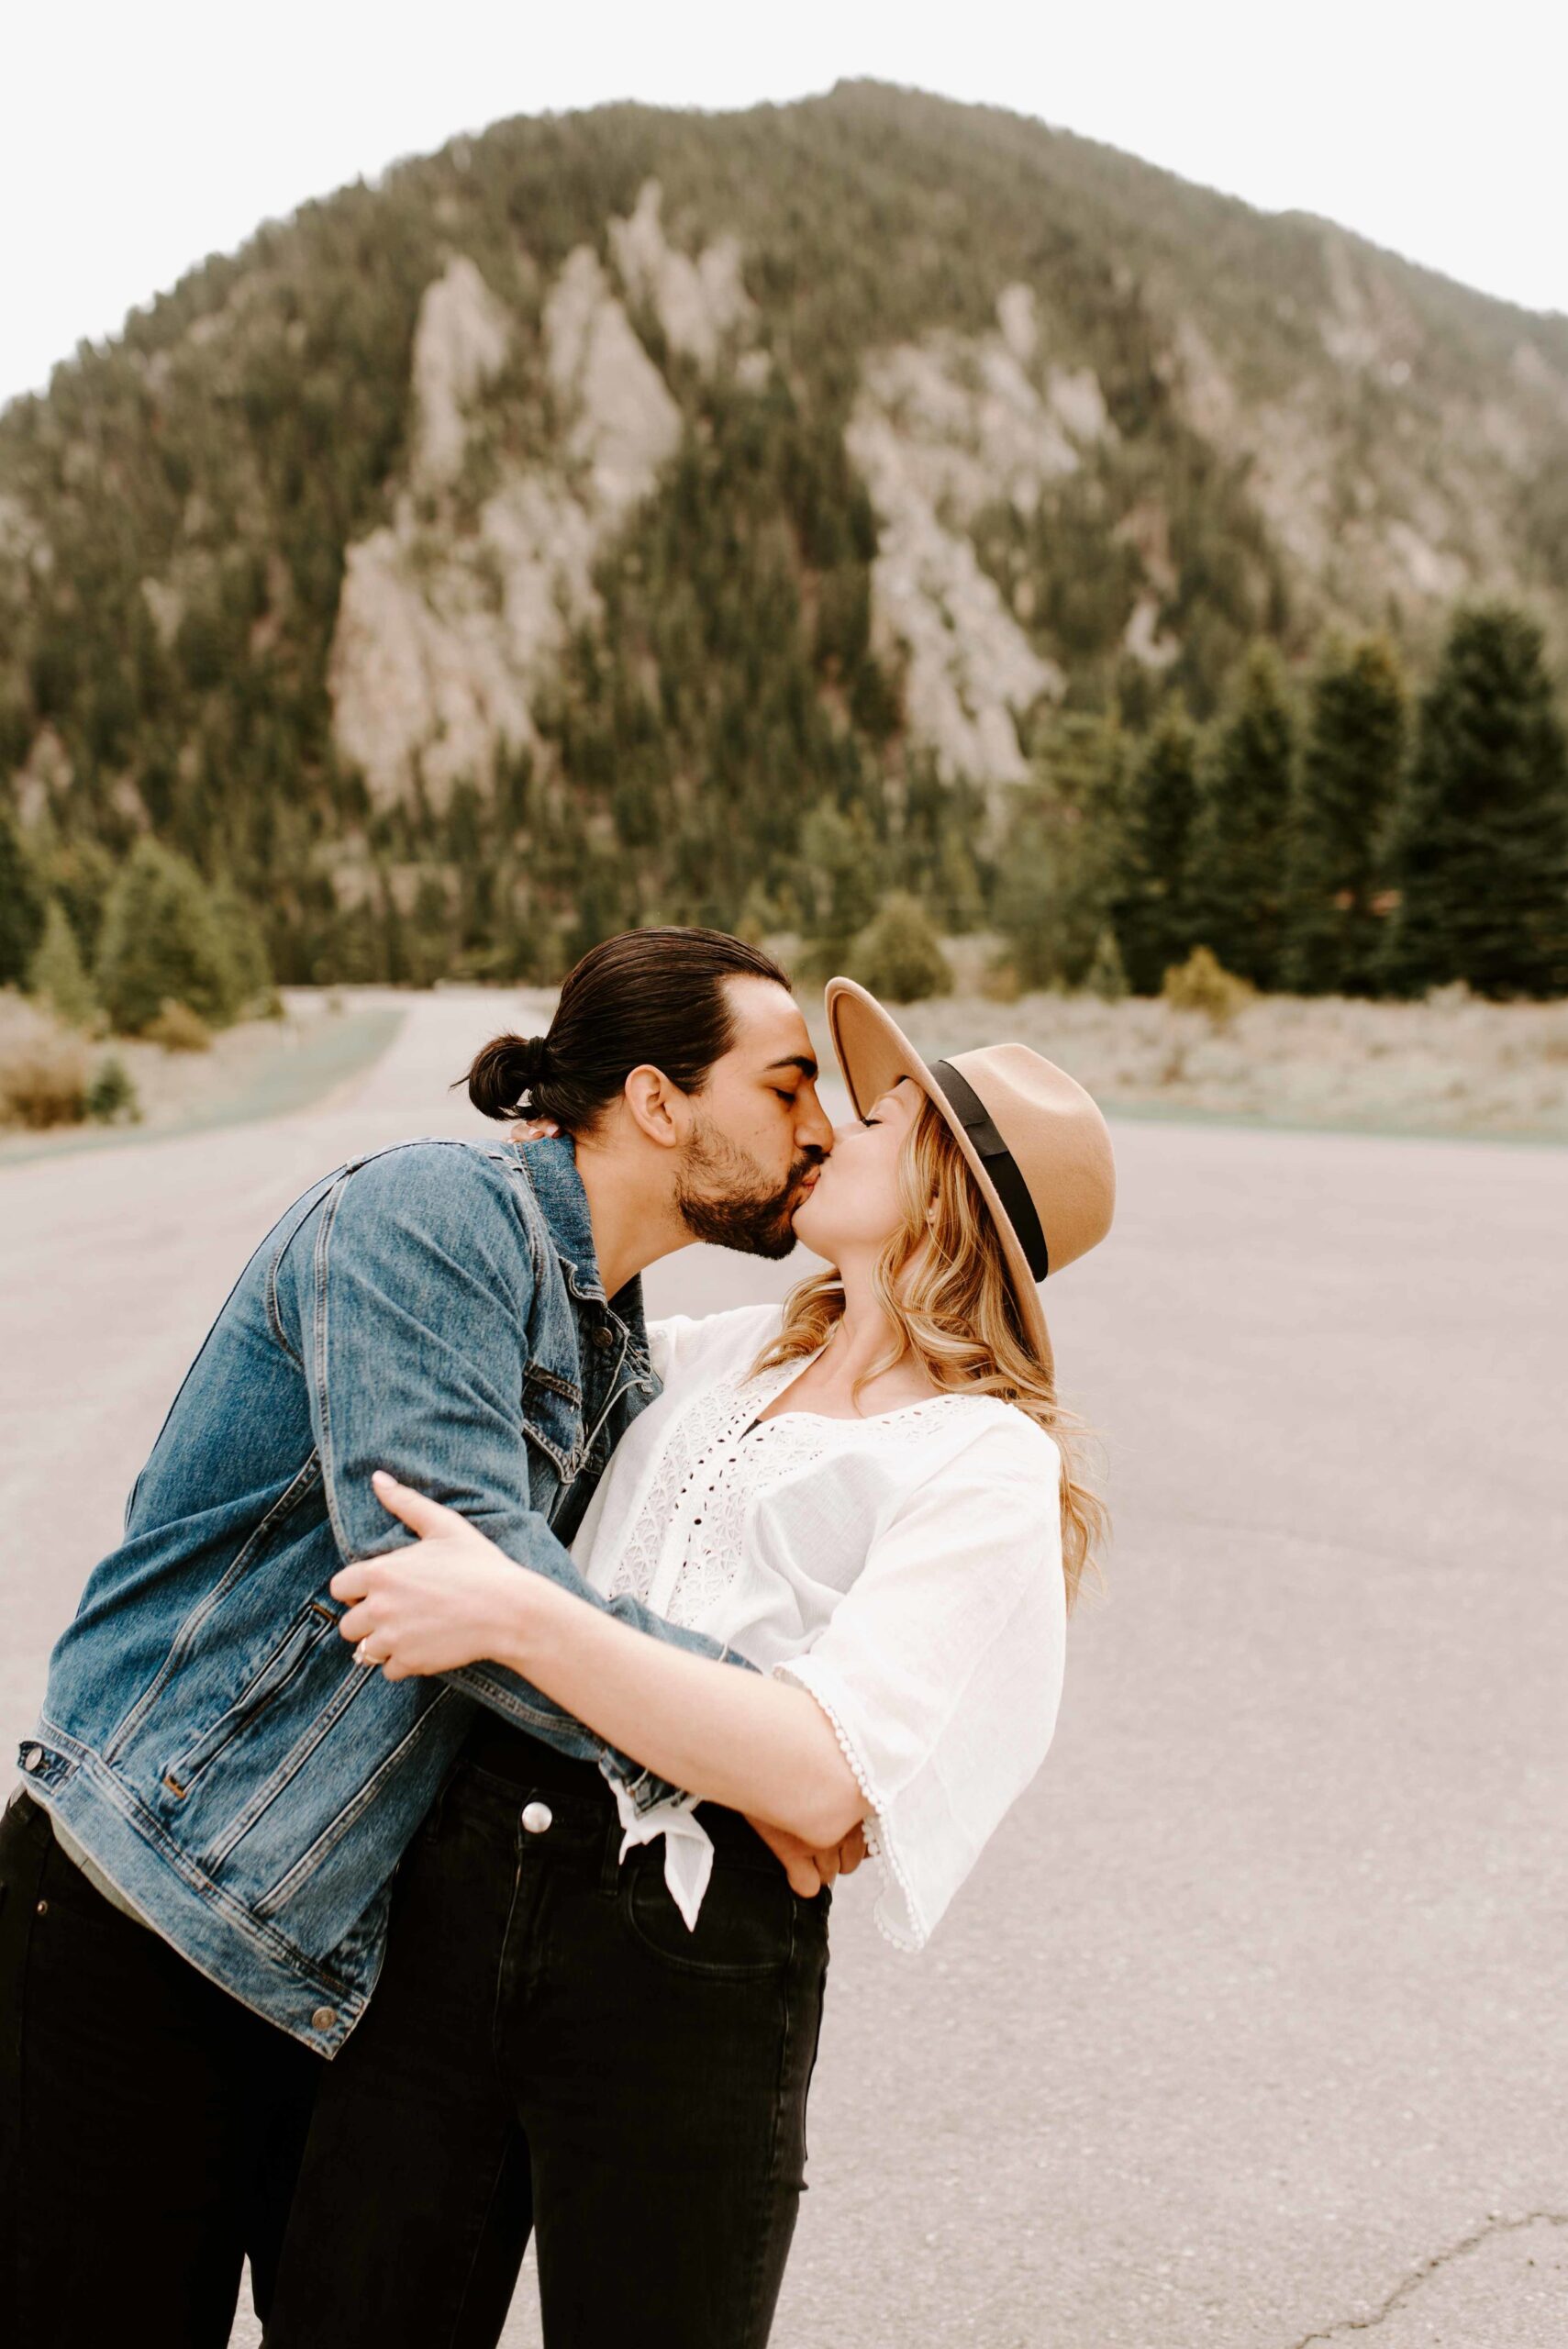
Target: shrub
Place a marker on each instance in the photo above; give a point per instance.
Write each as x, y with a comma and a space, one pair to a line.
898, 955
162, 941
1106, 974
43, 1069
56, 974
178, 1030
1201, 984
112, 1098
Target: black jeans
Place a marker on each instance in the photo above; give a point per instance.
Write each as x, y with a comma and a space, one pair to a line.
549, 2048
150, 2127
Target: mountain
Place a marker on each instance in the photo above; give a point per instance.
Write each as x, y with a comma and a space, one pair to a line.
544, 537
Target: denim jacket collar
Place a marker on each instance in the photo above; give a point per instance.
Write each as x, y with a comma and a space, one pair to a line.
551, 1166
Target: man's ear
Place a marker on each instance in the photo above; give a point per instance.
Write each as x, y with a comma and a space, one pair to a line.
657, 1108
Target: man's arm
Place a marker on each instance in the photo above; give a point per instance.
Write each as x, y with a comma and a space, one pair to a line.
406, 1297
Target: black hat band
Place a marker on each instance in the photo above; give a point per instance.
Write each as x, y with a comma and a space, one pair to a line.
999, 1164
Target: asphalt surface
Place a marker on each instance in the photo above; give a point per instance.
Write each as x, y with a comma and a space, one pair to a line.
1250, 2027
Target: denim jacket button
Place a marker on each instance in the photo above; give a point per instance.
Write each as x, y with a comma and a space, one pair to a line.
324, 2019
604, 1337
536, 1816
33, 1760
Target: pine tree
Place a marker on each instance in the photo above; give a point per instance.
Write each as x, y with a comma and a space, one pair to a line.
898, 954
1152, 910
163, 942
1481, 842
22, 905
1345, 790
1106, 974
1063, 856
1029, 901
56, 972
1244, 787
246, 947
837, 884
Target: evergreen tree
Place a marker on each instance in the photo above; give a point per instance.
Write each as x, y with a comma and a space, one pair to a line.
1481, 842
1240, 839
245, 945
1063, 854
22, 905
1106, 974
1345, 790
81, 873
56, 972
163, 942
1029, 901
899, 955
837, 884
1154, 924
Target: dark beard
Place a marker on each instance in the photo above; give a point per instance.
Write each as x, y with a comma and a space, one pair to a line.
716, 1206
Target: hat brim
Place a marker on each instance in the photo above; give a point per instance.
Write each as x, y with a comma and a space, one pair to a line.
875, 1054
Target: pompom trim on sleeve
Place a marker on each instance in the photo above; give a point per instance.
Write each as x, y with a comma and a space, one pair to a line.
907, 1931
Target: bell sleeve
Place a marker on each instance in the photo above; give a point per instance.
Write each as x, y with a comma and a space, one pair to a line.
940, 1669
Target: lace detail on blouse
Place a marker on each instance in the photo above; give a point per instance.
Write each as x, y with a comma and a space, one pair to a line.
907, 1931
700, 1441
684, 1548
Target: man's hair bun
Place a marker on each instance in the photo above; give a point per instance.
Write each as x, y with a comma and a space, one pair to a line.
506, 1074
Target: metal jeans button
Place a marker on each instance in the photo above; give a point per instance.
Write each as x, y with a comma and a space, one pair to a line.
536, 1816
324, 2018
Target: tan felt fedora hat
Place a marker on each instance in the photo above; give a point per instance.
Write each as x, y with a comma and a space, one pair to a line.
1037, 1145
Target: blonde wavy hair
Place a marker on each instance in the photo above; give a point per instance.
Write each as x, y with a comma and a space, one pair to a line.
943, 1282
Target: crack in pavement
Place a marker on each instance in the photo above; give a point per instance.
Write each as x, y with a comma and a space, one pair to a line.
1440, 2259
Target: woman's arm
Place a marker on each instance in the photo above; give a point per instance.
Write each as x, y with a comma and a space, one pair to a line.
754, 1744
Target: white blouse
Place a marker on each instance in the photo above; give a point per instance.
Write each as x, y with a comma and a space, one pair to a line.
905, 1568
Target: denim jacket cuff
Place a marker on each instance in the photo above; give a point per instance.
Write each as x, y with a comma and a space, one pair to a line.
641, 1787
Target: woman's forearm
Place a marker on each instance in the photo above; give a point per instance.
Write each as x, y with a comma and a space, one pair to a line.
452, 1598
755, 1744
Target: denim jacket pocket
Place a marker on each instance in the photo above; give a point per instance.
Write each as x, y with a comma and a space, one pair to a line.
552, 1419
316, 1621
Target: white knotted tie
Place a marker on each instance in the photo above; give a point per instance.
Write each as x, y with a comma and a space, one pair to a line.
688, 1852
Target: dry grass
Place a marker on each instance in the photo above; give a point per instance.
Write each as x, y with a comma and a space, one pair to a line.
171, 1086
179, 1030
46, 1070
1452, 1066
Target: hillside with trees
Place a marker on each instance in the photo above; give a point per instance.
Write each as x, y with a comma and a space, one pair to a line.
760, 519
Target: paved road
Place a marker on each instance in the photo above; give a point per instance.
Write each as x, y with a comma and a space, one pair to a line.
1249, 2029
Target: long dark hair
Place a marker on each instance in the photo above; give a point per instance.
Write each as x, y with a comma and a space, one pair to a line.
652, 997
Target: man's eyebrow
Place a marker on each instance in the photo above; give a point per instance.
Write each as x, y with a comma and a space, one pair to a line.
802, 1060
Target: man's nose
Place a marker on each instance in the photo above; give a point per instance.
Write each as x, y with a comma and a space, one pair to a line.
814, 1129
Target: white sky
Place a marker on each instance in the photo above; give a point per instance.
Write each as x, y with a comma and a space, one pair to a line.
136, 137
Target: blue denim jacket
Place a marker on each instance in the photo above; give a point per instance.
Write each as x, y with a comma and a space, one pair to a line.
206, 1736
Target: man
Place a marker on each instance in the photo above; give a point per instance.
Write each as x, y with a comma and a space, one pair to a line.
194, 1883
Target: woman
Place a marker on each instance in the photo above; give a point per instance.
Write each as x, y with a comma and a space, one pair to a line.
868, 1495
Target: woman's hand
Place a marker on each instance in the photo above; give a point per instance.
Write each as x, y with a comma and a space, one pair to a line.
451, 1599
808, 1869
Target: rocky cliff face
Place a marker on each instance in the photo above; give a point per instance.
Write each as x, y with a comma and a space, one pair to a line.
444, 635
445, 639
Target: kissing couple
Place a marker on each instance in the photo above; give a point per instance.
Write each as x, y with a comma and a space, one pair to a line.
427, 1836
